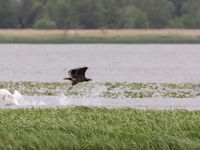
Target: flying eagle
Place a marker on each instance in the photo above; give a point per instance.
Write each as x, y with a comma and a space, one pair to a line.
77, 75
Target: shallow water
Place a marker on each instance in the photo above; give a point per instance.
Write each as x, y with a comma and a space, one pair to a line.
106, 62
137, 103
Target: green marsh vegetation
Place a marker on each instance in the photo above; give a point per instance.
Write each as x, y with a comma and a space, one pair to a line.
106, 90
99, 128
98, 39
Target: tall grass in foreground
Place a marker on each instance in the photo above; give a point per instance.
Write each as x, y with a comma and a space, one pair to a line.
99, 128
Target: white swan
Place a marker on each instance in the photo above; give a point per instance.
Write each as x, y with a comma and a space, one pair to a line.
15, 99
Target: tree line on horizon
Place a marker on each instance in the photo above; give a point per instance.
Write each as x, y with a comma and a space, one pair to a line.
100, 14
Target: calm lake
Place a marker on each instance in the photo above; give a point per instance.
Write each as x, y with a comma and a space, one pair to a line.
106, 62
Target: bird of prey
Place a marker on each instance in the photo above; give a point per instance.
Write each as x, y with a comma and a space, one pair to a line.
77, 75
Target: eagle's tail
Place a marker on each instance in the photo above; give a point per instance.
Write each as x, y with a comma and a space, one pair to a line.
68, 79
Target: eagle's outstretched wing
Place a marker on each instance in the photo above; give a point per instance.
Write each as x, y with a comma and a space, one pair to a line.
77, 72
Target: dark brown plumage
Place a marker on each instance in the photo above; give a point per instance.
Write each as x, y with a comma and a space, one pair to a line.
77, 75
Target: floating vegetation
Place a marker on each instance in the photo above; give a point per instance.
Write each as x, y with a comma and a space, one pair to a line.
106, 90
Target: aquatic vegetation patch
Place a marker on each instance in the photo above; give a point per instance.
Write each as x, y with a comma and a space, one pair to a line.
106, 90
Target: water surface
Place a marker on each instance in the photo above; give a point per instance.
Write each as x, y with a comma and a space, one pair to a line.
137, 103
106, 62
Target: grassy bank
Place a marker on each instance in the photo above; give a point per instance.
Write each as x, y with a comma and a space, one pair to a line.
56, 39
106, 90
95, 128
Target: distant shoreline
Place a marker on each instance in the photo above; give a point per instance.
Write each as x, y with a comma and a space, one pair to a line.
100, 36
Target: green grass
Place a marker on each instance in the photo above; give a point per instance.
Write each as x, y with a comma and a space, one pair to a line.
106, 90
99, 128
84, 128
99, 39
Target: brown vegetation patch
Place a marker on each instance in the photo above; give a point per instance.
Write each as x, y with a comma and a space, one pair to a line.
102, 32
